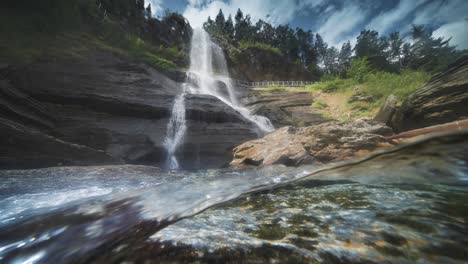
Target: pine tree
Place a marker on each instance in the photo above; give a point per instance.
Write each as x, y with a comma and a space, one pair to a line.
239, 18
321, 48
370, 45
220, 20
148, 12
344, 58
229, 27
396, 45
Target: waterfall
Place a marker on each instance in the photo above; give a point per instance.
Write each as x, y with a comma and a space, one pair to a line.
175, 131
209, 74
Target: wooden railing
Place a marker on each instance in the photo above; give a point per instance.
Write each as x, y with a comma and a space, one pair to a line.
272, 84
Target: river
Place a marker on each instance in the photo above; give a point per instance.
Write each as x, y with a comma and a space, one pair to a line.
406, 205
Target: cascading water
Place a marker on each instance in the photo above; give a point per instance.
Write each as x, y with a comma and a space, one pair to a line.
209, 72
205, 56
175, 131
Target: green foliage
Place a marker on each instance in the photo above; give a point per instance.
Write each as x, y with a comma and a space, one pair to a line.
158, 62
259, 46
332, 85
75, 27
319, 104
381, 84
359, 69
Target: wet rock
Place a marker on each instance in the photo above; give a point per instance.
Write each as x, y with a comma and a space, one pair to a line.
26, 147
442, 100
327, 142
387, 110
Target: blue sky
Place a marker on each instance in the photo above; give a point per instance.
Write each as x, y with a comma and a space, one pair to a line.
337, 20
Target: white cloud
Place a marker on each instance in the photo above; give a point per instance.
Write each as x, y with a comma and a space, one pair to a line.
457, 31
385, 22
341, 23
442, 12
450, 15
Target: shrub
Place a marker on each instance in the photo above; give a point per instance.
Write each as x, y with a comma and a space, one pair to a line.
260, 46
359, 69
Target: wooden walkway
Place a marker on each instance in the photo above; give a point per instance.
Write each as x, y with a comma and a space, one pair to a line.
246, 84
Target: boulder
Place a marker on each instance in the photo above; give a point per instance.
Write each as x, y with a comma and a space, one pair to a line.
318, 144
442, 100
387, 110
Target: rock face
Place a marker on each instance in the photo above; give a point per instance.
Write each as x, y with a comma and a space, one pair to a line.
112, 106
327, 142
283, 108
387, 110
443, 99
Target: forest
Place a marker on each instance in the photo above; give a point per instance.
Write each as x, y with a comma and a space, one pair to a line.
389, 53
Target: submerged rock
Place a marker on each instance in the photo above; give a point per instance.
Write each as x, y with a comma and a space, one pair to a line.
442, 100
323, 143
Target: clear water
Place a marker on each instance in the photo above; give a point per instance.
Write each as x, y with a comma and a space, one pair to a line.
401, 206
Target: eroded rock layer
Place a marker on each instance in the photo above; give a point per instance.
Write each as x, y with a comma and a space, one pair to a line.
115, 107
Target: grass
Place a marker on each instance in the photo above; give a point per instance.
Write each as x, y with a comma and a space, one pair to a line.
378, 85
259, 46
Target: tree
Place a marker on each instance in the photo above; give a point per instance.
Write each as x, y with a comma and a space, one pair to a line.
330, 61
148, 12
305, 41
359, 69
429, 53
229, 28
370, 45
321, 48
239, 18
344, 58
220, 20
396, 46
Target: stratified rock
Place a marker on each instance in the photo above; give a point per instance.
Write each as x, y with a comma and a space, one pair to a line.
327, 142
25, 147
118, 107
283, 108
443, 99
387, 110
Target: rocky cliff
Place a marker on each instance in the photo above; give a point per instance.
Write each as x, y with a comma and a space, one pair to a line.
283, 108
103, 109
443, 99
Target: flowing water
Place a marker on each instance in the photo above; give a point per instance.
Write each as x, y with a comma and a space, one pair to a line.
208, 74
406, 205
175, 131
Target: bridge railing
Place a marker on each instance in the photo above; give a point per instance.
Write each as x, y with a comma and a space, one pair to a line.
272, 84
